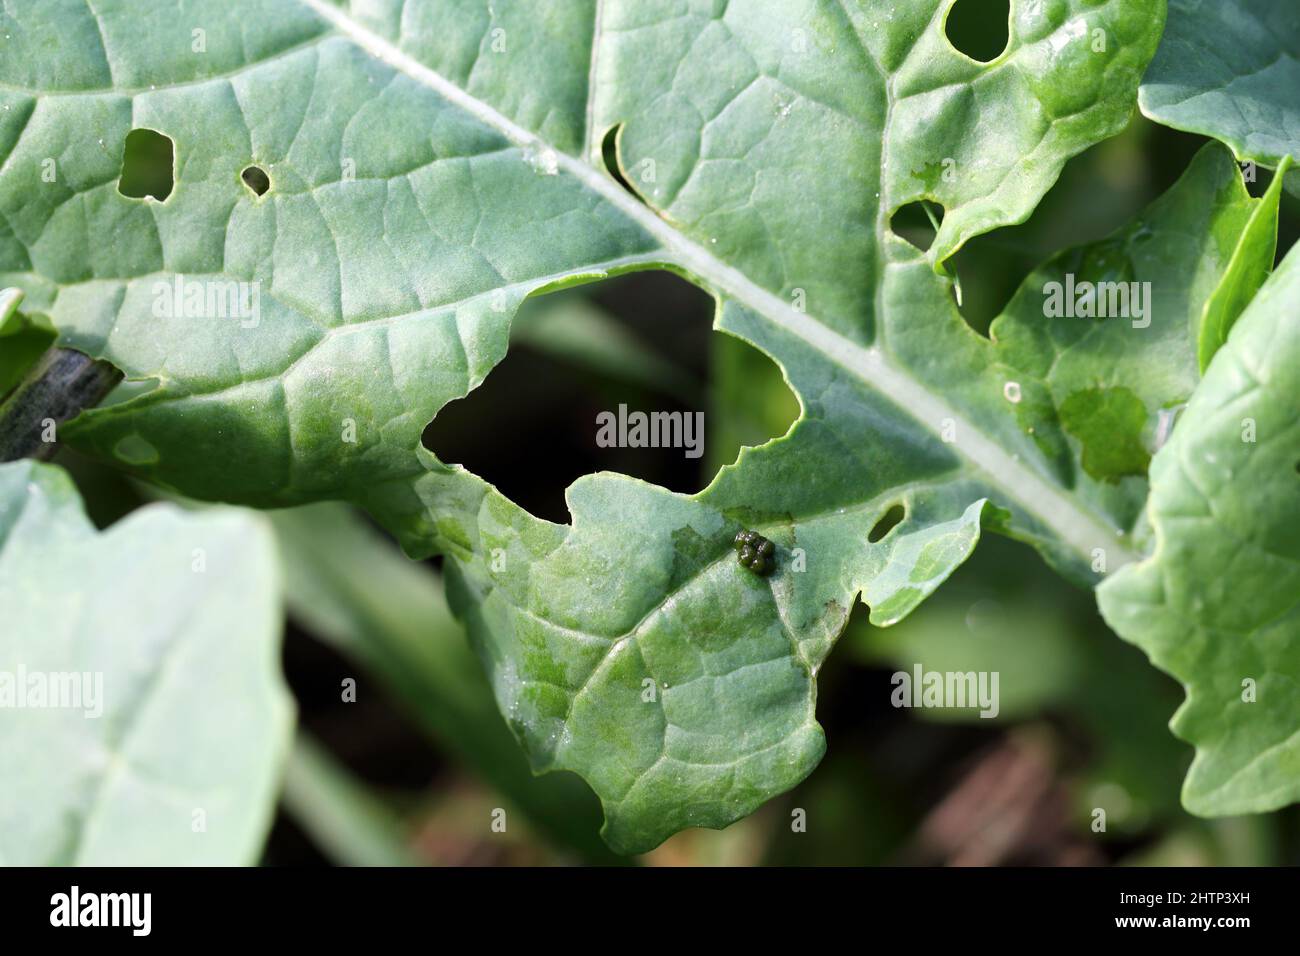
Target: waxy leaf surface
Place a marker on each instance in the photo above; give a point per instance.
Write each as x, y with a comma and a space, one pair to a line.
433, 163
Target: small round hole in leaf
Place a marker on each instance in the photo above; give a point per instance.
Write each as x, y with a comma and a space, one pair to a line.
255, 178
887, 523
979, 28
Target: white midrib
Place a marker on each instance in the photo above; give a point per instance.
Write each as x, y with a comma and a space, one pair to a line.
1079, 529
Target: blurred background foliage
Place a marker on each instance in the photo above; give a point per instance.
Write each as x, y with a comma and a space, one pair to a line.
420, 766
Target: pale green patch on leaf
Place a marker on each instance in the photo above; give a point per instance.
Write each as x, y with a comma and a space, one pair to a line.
166, 629
1218, 604
1108, 423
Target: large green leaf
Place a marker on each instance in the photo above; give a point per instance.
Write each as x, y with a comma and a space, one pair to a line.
352, 589
1218, 603
168, 628
1230, 69
433, 163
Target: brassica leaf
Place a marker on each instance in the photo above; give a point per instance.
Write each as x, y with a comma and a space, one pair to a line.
143, 718
1218, 604
429, 165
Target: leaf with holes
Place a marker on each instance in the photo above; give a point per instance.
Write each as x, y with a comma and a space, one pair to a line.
1218, 603
1097, 340
145, 719
428, 165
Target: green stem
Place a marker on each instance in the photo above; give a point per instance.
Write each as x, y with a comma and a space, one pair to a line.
58, 387
344, 816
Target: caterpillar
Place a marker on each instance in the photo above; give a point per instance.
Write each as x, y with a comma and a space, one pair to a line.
755, 552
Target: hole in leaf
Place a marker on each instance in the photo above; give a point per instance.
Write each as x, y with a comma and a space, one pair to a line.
750, 402
917, 223
637, 343
957, 291
148, 159
256, 179
990, 271
609, 155
979, 28
887, 523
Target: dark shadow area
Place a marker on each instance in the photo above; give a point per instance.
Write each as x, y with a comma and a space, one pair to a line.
979, 28
609, 155
147, 163
890, 520
256, 179
563, 403
917, 223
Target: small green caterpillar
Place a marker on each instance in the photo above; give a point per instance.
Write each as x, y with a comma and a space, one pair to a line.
755, 551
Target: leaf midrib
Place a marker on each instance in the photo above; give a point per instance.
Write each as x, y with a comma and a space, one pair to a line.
1081, 530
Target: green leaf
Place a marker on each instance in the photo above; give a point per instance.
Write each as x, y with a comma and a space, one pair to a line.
1251, 264
169, 625
23, 339
1218, 604
353, 590
431, 165
1099, 394
1229, 69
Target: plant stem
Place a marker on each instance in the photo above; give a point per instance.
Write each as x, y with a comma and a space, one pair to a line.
58, 387
343, 815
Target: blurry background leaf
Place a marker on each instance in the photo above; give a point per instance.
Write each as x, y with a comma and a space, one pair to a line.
179, 615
